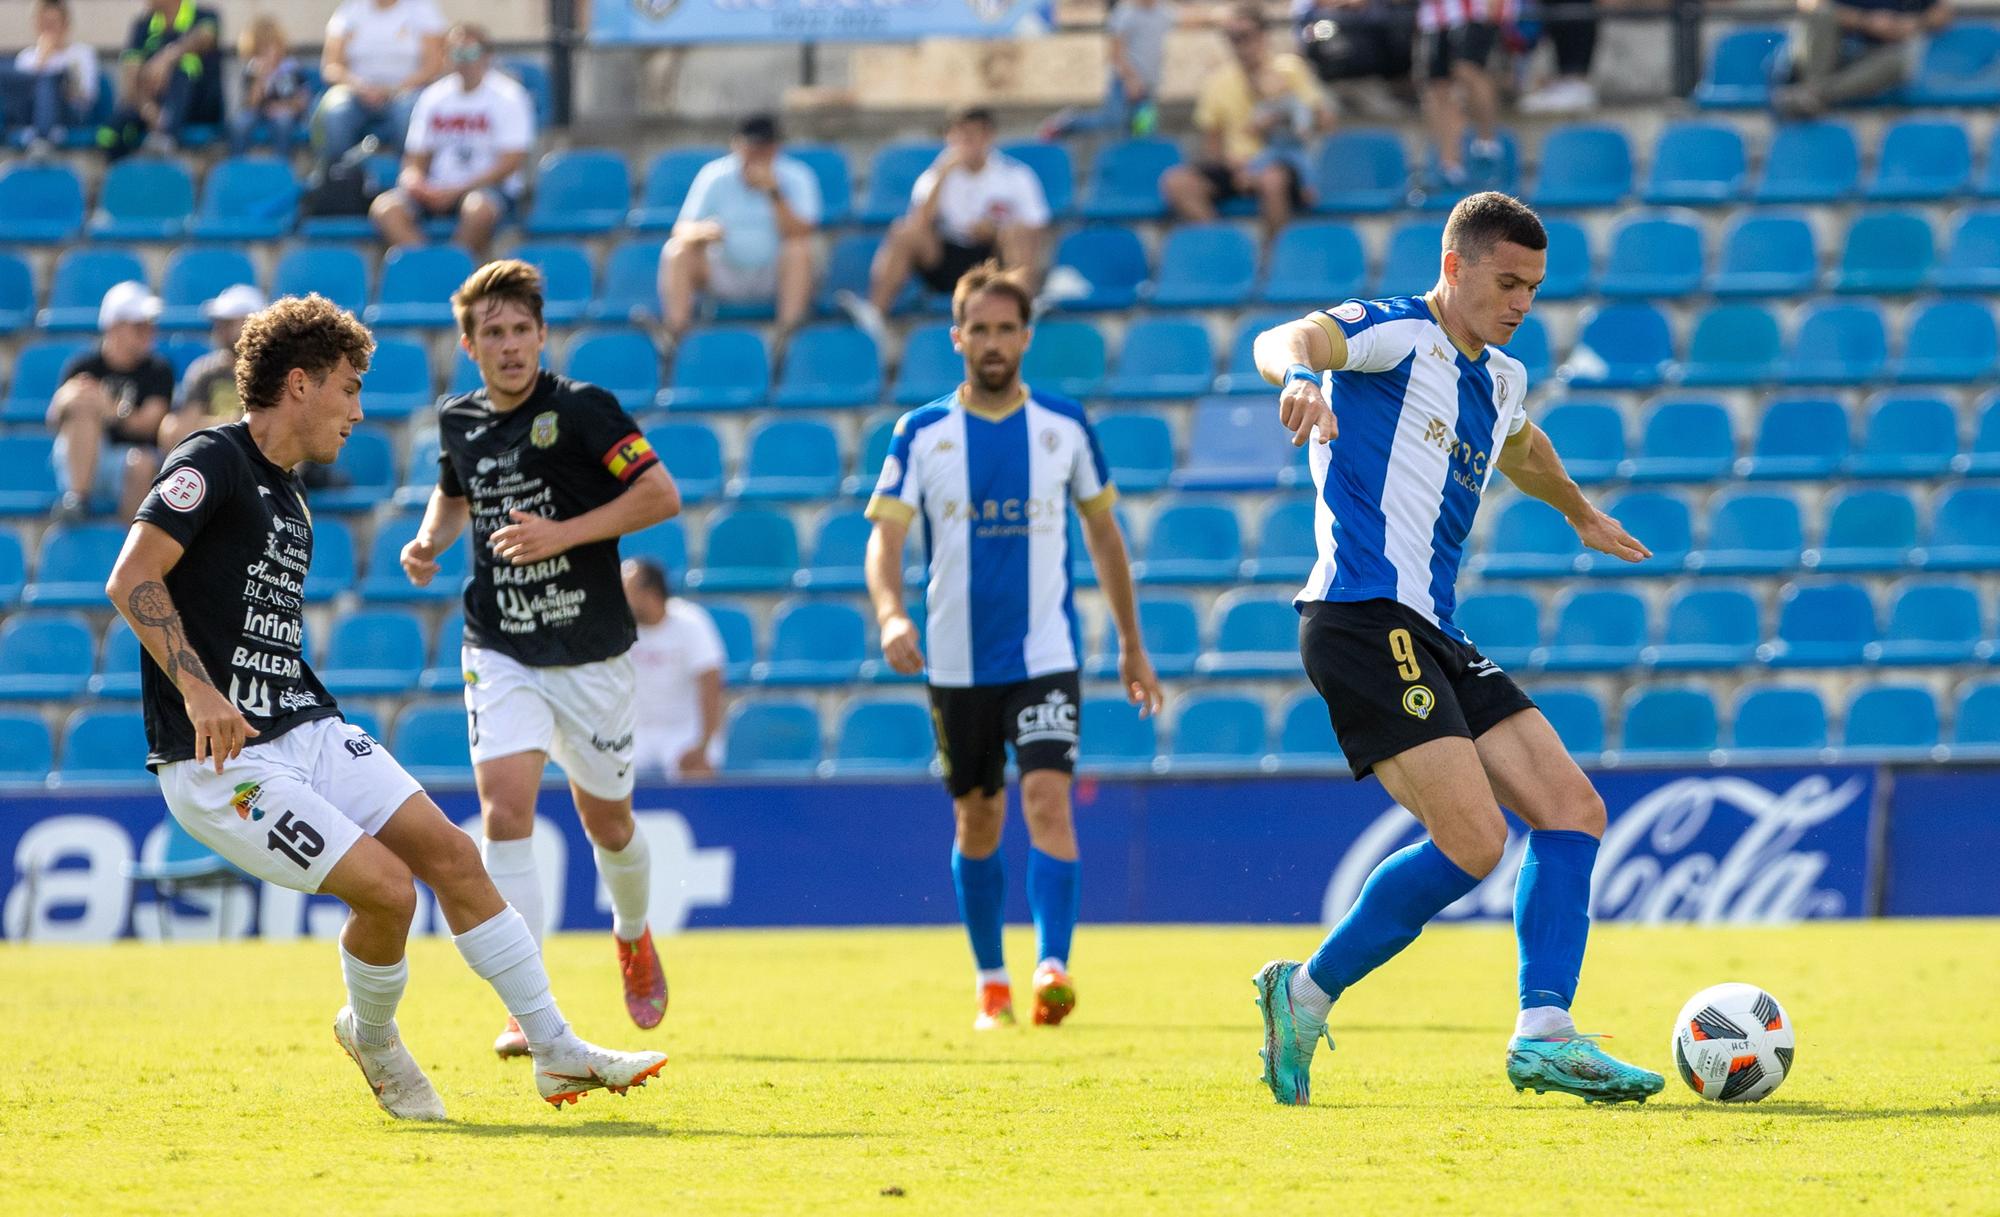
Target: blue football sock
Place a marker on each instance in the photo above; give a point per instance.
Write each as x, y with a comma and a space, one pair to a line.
1052, 893
1552, 914
1410, 887
982, 904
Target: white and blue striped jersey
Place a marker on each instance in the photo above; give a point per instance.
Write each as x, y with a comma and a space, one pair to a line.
994, 491
1421, 424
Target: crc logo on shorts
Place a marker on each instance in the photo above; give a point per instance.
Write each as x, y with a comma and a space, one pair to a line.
184, 490
361, 745
1053, 718
245, 801
1419, 701
542, 433
1352, 312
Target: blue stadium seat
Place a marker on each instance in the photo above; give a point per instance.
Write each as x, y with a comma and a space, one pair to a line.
628, 291
1110, 259
1591, 437
44, 656
30, 486
1361, 170
1570, 265
26, 751
1664, 721
1584, 167
875, 436
1218, 734
17, 293
1115, 739
1653, 255
398, 383
1735, 345
1697, 164
378, 173
1053, 169
879, 738
1892, 722
1922, 160
196, 275
1138, 447
1287, 545
1315, 262
13, 567
836, 180
1125, 181
1205, 266
892, 176
102, 746
1887, 253
772, 739
1255, 635
534, 78
1948, 342
1658, 518
367, 470
739, 645
748, 549
246, 198
840, 546
1577, 716
1933, 622
417, 285
1972, 261
143, 199
1241, 376
1684, 441
719, 369
334, 271
1780, 722
373, 654
1965, 530
1868, 530
1066, 358
1907, 437
1809, 162
1172, 634
1822, 625
1799, 438
1766, 254
931, 366
693, 454
1161, 357
1233, 444
421, 473
1596, 631
1305, 735
75, 561
814, 642
827, 367
1751, 533
1530, 345
39, 203
568, 282
334, 567
668, 177
431, 741
1622, 346
1530, 541
1192, 543
664, 543
385, 581
1840, 343
1710, 625
789, 459
1976, 723
445, 670
1983, 459
579, 192
1411, 264
81, 278
1959, 67
1739, 70
1500, 172
1505, 626
621, 362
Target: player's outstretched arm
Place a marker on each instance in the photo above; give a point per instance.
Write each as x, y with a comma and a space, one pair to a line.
1106, 543
884, 568
444, 518
1292, 356
651, 498
1530, 461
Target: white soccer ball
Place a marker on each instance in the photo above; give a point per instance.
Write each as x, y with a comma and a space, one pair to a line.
1733, 1043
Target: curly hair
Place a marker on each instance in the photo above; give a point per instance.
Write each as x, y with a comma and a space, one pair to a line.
509, 280
310, 333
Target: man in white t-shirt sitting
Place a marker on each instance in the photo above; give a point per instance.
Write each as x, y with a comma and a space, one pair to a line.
469, 139
677, 678
378, 56
972, 205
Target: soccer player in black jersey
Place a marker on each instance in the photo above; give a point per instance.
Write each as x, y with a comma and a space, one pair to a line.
549, 473
252, 754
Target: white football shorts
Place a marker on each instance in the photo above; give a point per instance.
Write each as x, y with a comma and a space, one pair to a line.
581, 716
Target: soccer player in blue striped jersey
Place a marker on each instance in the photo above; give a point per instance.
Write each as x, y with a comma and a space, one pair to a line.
992, 469
1414, 403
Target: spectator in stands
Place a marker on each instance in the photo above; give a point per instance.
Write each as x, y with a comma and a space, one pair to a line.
745, 232
379, 55
1135, 33
169, 78
52, 84
274, 88
207, 395
468, 143
1846, 50
1459, 38
975, 203
678, 664
1356, 43
114, 393
1254, 113
1573, 34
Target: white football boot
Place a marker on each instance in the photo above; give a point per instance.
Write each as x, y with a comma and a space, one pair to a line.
399, 1085
570, 1068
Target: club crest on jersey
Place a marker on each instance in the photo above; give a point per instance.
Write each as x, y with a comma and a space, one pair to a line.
1499, 390
542, 433
1049, 441
1419, 701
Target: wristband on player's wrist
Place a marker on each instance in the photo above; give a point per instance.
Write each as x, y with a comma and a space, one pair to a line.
1300, 371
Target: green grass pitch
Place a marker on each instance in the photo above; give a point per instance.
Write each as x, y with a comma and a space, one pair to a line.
837, 1072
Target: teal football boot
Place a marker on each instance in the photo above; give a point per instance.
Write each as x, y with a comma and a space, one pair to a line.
1576, 1065
1287, 1064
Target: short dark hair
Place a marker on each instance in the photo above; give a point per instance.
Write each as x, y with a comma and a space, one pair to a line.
990, 276
509, 279
651, 575
974, 113
1483, 220
311, 333
759, 129
473, 32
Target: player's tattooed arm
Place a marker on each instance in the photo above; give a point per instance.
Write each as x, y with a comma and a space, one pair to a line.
149, 604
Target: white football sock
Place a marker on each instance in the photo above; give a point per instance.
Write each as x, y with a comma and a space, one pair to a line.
512, 866
373, 992
1308, 999
1544, 1022
628, 876
991, 976
502, 952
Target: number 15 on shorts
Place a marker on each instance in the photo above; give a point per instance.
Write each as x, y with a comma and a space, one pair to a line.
297, 840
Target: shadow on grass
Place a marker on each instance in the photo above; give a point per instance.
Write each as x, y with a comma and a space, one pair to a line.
1251, 1025
1807, 1109
621, 1128
771, 1059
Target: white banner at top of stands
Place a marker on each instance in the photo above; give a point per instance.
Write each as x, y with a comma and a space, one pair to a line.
641, 22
